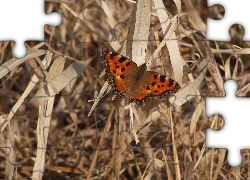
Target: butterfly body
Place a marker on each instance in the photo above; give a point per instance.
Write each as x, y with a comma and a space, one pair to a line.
135, 82
134, 79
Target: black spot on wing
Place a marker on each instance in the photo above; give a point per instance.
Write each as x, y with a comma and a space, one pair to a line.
112, 55
122, 59
122, 76
171, 82
162, 78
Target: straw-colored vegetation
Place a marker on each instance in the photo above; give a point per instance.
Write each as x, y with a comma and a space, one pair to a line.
46, 132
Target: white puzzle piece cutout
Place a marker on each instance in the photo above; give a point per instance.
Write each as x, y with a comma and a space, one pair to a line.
235, 134
24, 20
236, 12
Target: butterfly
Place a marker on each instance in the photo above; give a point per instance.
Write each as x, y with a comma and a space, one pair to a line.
134, 82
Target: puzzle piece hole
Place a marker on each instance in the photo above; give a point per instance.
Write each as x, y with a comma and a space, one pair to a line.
235, 111
234, 156
19, 50
227, 16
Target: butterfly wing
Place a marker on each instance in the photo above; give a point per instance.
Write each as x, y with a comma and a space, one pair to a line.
118, 68
154, 85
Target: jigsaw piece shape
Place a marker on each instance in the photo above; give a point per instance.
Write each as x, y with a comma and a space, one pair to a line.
218, 30
235, 111
26, 20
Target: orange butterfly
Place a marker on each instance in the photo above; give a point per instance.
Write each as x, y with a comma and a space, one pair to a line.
135, 82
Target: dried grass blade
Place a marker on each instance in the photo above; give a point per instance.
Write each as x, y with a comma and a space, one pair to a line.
118, 154
30, 86
57, 67
170, 177
171, 42
220, 163
141, 32
196, 21
196, 115
91, 168
109, 14
60, 82
144, 173
166, 37
227, 64
105, 87
43, 125
178, 5
183, 95
10, 164
14, 62
176, 159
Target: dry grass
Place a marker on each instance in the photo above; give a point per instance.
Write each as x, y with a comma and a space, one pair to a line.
45, 129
